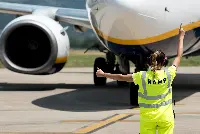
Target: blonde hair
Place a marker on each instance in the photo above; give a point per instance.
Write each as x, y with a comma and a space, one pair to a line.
156, 64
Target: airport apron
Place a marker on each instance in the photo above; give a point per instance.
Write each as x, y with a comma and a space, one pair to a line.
155, 101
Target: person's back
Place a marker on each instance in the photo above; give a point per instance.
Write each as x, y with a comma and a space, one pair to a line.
156, 85
155, 91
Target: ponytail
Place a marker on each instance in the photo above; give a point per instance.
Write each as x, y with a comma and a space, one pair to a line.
155, 65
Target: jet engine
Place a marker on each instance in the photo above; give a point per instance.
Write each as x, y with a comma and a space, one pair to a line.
34, 44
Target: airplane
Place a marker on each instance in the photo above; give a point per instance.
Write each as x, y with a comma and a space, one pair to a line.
35, 42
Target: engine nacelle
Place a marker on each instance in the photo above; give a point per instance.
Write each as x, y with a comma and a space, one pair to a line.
33, 44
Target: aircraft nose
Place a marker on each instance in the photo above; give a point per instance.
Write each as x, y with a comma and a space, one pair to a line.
119, 21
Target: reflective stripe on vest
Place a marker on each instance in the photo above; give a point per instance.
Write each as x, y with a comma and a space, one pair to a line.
164, 103
145, 96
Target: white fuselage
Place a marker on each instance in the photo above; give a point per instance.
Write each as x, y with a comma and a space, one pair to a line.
153, 24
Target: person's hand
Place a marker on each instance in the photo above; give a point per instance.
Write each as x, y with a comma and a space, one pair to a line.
99, 73
181, 33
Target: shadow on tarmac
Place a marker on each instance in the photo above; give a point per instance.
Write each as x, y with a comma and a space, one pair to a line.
88, 98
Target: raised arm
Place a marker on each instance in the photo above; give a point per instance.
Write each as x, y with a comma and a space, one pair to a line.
180, 48
119, 77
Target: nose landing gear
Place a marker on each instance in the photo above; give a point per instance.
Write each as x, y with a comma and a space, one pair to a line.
108, 65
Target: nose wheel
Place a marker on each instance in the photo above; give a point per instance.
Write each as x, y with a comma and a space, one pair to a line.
108, 67
99, 63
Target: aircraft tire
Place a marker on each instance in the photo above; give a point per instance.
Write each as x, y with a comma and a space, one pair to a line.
100, 62
134, 94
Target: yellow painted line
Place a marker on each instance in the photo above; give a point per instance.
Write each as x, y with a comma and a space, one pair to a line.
61, 60
148, 40
102, 123
130, 121
78, 121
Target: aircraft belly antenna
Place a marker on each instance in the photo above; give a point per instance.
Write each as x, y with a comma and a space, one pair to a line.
166, 10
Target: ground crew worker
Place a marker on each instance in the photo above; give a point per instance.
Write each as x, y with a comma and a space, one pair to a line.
155, 91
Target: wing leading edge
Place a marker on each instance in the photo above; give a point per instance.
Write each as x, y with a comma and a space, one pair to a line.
69, 15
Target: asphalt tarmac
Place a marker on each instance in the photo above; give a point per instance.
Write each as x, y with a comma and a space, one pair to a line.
68, 102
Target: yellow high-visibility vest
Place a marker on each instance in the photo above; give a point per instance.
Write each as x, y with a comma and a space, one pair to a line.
155, 94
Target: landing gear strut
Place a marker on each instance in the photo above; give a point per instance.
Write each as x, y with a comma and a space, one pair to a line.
117, 71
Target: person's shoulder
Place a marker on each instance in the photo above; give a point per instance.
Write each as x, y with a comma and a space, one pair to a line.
139, 74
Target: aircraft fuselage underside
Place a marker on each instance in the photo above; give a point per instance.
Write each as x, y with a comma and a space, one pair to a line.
133, 27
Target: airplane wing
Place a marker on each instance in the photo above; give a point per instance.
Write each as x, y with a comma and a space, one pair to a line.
69, 15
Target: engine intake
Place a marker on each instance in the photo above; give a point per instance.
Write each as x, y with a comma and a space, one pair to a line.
25, 49
33, 44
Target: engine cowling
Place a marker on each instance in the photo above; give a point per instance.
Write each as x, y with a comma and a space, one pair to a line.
34, 44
